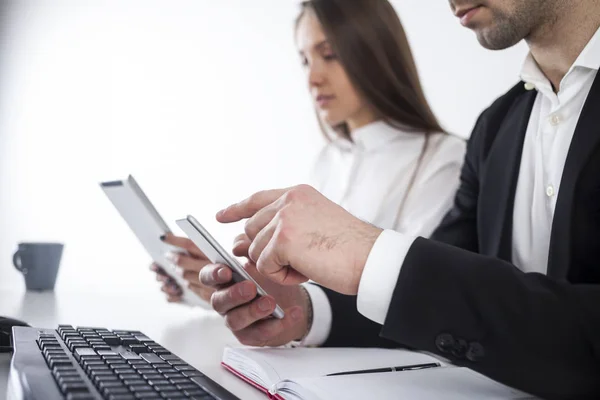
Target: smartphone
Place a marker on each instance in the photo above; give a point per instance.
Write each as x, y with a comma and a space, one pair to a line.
216, 254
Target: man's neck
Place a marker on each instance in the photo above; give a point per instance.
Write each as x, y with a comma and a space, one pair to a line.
556, 45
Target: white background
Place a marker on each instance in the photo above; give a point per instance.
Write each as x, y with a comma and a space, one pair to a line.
204, 101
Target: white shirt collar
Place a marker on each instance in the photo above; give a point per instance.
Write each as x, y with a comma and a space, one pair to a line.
589, 58
372, 136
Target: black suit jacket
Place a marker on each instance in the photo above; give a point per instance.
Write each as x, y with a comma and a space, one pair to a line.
458, 295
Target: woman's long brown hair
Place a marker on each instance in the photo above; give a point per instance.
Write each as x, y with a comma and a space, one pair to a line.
371, 45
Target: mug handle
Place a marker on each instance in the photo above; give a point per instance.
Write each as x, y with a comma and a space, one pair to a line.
17, 260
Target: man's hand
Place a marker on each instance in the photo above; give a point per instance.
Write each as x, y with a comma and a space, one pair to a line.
188, 266
248, 316
298, 234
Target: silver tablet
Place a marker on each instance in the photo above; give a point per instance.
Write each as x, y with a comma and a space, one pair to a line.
215, 253
147, 224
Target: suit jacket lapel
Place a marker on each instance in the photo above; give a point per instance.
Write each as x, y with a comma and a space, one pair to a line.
500, 183
585, 140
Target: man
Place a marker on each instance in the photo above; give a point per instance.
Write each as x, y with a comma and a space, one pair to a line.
510, 283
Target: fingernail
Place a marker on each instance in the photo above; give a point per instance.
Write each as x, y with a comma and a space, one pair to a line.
220, 213
296, 314
163, 237
172, 257
178, 271
264, 304
222, 273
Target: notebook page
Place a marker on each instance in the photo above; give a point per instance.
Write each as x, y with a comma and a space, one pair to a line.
284, 363
449, 383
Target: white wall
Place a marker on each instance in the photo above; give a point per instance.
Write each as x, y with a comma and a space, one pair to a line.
203, 101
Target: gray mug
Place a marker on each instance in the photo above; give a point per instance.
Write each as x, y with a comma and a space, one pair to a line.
38, 262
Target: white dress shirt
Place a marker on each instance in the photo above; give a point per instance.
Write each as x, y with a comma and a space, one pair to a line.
370, 175
551, 127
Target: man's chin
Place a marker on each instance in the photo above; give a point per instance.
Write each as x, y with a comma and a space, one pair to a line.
493, 41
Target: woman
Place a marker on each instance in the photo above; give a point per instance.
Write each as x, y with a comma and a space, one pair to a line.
387, 160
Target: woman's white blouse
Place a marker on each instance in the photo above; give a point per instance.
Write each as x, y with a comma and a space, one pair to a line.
369, 176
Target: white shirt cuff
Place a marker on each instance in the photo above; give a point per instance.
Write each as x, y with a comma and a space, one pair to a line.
321, 324
381, 273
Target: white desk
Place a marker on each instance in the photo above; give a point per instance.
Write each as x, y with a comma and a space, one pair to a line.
196, 335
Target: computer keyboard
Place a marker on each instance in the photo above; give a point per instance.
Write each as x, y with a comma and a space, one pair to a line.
96, 363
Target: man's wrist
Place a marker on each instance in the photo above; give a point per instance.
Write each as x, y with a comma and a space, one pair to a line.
308, 308
367, 240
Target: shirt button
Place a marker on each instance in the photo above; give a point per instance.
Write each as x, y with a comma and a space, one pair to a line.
550, 191
554, 120
529, 86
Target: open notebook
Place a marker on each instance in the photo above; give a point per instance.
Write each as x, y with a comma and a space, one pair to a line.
301, 374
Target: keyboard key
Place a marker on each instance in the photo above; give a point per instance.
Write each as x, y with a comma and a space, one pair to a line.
172, 375
140, 361
142, 338
121, 397
186, 386
64, 369
184, 368
96, 368
76, 346
195, 392
115, 391
177, 381
69, 379
143, 367
52, 347
152, 376
105, 353
155, 382
130, 356
80, 396
147, 395
65, 374
121, 371
161, 365
151, 358
135, 382
105, 379
173, 395
168, 357
116, 361
73, 387
60, 363
192, 374
112, 340
51, 353
84, 352
138, 348
91, 358
166, 370
94, 374
141, 388
128, 341
164, 388
125, 377
92, 363
177, 362
110, 385
117, 357
100, 347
